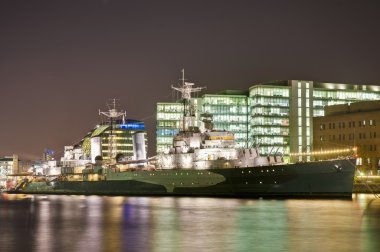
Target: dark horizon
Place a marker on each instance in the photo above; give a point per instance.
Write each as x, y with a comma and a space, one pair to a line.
61, 61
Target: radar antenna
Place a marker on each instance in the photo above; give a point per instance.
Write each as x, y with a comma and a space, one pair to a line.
187, 88
112, 111
188, 107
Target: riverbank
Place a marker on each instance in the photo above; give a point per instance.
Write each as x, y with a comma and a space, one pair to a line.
367, 184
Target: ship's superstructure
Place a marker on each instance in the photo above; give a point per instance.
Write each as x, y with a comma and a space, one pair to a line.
204, 147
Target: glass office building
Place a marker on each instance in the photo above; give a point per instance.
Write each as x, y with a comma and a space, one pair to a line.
228, 108
282, 113
122, 136
269, 118
277, 116
230, 112
169, 116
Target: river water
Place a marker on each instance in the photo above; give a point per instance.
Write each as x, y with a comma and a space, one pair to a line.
95, 223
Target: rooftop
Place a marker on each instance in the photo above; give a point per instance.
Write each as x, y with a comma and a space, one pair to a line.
364, 106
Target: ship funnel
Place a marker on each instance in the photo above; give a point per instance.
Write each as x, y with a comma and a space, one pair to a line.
139, 152
98, 160
96, 148
206, 122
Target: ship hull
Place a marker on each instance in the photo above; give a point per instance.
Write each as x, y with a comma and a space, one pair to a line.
314, 179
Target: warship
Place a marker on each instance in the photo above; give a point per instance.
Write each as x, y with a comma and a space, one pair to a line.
202, 161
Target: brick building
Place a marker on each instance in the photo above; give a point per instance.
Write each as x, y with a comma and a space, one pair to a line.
347, 126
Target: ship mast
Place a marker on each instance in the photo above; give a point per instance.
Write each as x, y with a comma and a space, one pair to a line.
112, 114
188, 107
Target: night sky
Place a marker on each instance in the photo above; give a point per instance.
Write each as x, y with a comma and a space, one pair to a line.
61, 61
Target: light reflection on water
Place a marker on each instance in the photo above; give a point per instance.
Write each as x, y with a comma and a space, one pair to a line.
94, 223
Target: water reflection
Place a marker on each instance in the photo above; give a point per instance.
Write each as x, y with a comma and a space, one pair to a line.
371, 224
79, 223
333, 224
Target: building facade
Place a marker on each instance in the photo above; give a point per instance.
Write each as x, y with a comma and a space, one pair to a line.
269, 110
230, 112
97, 141
8, 166
347, 127
276, 116
48, 155
169, 123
